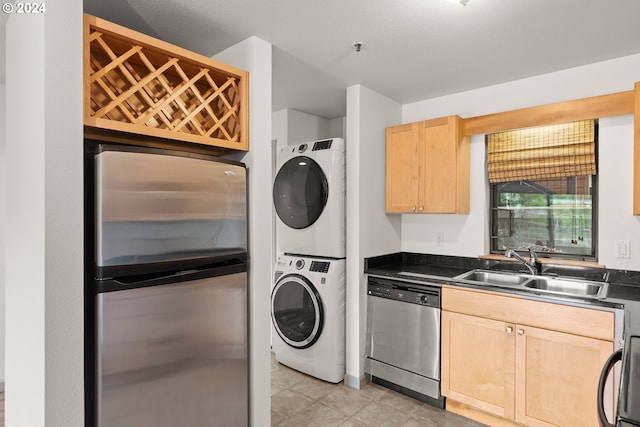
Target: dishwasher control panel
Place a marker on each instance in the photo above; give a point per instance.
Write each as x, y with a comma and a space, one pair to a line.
404, 292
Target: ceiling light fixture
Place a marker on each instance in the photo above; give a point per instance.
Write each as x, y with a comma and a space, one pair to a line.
462, 2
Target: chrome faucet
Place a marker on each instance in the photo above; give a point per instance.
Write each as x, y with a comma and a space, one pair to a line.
531, 264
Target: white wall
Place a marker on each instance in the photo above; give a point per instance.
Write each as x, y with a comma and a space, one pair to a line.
615, 195
369, 230
338, 127
279, 129
3, 211
466, 235
25, 314
602, 78
305, 127
254, 55
44, 239
292, 127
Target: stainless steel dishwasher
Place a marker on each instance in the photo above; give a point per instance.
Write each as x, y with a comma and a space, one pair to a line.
403, 338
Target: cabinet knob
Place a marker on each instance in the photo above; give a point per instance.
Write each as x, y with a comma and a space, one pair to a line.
520, 331
421, 208
413, 208
509, 329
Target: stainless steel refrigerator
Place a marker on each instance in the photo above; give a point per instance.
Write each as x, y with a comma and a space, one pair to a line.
167, 297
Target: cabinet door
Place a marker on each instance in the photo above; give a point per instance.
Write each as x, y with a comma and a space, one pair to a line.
478, 362
402, 168
437, 152
557, 377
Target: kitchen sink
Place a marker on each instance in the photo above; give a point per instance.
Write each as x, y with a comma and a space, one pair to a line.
566, 286
551, 285
494, 277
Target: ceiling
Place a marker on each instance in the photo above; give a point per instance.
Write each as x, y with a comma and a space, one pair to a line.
412, 49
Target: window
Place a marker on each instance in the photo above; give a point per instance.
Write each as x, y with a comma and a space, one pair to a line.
543, 190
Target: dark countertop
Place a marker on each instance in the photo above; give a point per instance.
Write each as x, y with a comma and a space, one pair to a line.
624, 292
624, 286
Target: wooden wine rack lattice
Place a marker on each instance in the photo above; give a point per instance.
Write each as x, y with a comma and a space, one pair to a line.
137, 84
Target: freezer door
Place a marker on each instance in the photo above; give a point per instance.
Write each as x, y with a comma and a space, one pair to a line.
154, 207
173, 355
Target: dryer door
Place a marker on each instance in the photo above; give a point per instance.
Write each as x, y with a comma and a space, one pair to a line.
296, 311
300, 192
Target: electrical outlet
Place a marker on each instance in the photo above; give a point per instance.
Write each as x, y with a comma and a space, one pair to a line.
623, 249
440, 238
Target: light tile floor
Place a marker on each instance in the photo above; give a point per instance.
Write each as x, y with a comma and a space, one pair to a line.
299, 400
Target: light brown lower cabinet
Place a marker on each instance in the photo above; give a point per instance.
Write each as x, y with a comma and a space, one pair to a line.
503, 372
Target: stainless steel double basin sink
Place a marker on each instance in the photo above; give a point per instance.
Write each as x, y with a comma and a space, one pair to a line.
552, 285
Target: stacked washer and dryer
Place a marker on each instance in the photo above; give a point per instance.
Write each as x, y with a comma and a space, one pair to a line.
308, 297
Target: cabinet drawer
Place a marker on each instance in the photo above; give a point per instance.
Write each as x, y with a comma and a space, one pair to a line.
587, 322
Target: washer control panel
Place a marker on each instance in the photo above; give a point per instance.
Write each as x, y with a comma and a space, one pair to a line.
302, 264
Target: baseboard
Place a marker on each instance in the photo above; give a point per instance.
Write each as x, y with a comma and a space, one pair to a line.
354, 382
478, 415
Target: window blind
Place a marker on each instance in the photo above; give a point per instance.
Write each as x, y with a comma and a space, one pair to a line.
544, 152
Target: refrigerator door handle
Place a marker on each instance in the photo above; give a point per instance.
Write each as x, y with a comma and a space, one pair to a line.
616, 356
119, 284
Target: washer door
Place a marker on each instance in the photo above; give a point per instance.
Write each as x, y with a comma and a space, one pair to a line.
296, 311
300, 192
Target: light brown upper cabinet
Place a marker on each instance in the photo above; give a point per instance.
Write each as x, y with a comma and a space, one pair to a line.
427, 167
139, 85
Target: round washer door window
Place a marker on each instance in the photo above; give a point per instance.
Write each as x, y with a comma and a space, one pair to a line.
300, 192
296, 311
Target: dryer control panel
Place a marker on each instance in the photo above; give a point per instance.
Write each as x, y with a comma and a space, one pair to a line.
322, 145
320, 266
